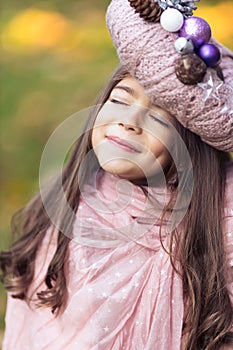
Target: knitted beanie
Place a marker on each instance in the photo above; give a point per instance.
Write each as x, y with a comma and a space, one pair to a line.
147, 51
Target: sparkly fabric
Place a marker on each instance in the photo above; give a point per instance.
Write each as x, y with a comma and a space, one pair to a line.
123, 293
148, 52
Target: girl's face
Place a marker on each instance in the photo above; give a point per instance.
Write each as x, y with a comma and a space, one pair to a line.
131, 136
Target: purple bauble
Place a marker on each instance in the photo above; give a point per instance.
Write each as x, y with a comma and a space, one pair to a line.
210, 54
196, 29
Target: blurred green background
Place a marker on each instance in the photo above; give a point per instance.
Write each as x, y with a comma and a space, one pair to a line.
55, 57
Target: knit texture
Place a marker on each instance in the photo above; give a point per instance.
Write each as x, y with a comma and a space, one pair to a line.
148, 52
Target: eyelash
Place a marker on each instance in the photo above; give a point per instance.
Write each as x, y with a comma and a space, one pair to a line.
158, 120
113, 100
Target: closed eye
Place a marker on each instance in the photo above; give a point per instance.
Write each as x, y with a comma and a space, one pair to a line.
158, 119
113, 100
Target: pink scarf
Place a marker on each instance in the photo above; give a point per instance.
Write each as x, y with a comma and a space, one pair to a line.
124, 293
113, 211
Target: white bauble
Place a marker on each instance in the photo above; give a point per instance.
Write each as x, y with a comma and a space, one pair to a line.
171, 20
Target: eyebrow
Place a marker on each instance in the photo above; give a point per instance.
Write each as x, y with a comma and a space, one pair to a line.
126, 88
131, 91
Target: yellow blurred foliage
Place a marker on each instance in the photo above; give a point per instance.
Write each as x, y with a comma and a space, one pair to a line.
219, 17
35, 29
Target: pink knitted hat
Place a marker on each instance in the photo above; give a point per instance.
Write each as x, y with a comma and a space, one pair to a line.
148, 52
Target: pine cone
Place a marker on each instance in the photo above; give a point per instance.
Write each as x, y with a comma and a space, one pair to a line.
147, 9
186, 7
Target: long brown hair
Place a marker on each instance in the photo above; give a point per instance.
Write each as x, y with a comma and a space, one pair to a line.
199, 251
209, 313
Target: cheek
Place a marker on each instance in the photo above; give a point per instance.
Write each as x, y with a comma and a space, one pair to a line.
159, 145
161, 149
96, 137
98, 128
107, 114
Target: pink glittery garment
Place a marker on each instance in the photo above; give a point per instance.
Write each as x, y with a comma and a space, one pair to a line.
123, 292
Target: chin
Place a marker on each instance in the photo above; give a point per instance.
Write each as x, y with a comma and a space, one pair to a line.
122, 171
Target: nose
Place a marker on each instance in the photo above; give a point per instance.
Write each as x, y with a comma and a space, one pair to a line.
132, 120
131, 128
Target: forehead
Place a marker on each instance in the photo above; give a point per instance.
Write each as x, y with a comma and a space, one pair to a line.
132, 86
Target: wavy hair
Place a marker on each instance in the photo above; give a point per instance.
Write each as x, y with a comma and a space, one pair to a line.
199, 251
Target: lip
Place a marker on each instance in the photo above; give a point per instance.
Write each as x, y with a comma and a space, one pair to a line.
123, 144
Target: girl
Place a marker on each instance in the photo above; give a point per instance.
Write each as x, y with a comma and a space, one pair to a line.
138, 266
118, 296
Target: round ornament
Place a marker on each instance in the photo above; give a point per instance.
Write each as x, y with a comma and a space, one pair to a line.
190, 69
184, 46
210, 54
196, 29
171, 20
